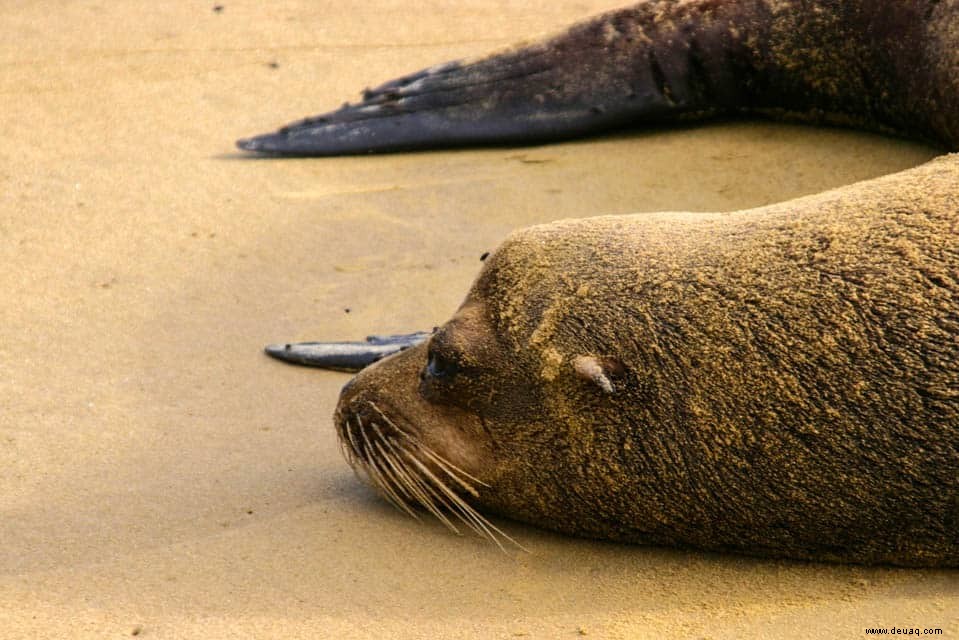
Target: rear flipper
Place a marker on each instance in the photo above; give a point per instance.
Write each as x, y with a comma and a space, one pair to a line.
654, 61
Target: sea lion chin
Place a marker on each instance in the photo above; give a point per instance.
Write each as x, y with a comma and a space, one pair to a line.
781, 382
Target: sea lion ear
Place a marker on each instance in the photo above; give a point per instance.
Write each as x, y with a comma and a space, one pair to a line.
598, 370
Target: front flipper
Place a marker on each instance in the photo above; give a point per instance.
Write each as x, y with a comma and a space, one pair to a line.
345, 356
631, 65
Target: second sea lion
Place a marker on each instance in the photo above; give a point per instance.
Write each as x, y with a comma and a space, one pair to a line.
780, 382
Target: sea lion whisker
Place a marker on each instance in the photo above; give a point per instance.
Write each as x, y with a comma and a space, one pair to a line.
386, 481
468, 515
385, 489
422, 446
487, 525
429, 503
490, 528
481, 520
452, 470
372, 469
355, 462
475, 526
344, 446
359, 465
450, 507
380, 482
392, 458
413, 488
366, 440
382, 437
355, 456
466, 486
391, 472
406, 476
372, 405
475, 520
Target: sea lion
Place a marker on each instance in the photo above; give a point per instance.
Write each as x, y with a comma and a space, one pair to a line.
780, 382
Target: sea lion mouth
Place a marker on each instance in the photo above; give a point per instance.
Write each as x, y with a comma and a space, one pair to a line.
408, 473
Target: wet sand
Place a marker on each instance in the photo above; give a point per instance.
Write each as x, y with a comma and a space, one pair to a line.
161, 477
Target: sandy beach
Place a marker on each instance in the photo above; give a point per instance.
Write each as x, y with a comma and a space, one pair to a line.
160, 477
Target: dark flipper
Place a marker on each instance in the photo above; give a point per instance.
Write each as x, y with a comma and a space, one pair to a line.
609, 71
345, 356
877, 65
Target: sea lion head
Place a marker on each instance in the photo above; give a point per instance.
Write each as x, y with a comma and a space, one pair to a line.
499, 408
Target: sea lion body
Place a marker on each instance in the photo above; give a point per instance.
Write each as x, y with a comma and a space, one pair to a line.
785, 381
779, 382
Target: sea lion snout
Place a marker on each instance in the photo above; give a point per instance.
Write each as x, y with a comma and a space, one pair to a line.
386, 404
409, 450
366, 421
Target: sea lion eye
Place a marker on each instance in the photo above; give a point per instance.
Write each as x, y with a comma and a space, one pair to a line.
439, 367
